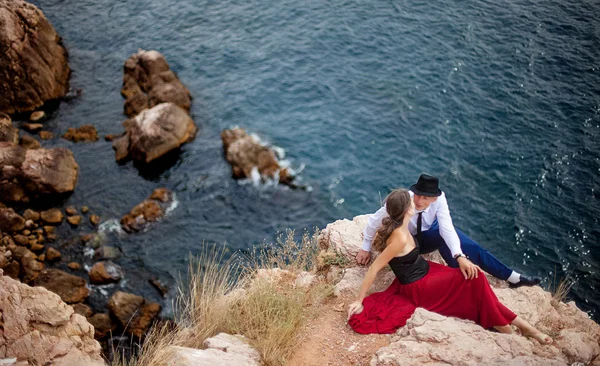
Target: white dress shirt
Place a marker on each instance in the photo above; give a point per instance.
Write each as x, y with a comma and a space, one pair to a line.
439, 209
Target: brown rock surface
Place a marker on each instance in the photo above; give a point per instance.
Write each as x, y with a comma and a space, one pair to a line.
94, 219
53, 254
74, 265
28, 142
147, 211
32, 127
71, 210
84, 133
46, 135
74, 220
103, 325
246, 154
8, 132
33, 62
37, 116
134, 313
39, 329
105, 272
83, 310
10, 221
30, 214
71, 289
52, 216
154, 132
35, 173
148, 81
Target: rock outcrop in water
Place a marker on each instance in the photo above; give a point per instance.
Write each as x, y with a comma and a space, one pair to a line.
33, 62
37, 328
247, 157
148, 211
35, 173
154, 132
149, 81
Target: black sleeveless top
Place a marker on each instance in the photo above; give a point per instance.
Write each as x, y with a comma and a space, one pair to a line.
409, 267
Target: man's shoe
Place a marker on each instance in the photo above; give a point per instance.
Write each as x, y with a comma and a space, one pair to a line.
526, 281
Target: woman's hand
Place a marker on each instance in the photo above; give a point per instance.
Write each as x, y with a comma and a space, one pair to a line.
355, 308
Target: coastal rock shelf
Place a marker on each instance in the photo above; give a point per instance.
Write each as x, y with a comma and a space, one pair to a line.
33, 62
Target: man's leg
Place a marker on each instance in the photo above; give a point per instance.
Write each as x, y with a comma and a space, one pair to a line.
477, 255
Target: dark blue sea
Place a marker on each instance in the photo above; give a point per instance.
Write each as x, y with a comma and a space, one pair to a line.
501, 100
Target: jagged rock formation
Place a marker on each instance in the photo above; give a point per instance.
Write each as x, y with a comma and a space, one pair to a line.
148, 81
223, 349
149, 210
37, 328
8, 132
33, 62
433, 339
246, 155
154, 132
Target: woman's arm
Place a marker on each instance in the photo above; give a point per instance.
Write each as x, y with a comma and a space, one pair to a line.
393, 249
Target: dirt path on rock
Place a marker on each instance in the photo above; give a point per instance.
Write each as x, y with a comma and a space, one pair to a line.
328, 340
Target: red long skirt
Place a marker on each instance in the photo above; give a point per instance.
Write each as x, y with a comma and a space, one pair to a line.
443, 290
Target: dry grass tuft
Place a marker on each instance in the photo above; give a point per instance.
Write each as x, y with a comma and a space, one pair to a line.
561, 290
269, 313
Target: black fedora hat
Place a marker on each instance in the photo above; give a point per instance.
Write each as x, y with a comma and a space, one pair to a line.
427, 186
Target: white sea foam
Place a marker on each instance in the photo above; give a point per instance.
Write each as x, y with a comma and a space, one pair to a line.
88, 252
173, 205
111, 226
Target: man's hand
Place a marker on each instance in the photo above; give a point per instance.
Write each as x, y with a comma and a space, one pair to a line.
363, 257
355, 308
468, 269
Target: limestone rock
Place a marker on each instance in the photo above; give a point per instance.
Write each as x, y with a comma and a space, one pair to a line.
71, 289
33, 62
222, 349
84, 133
148, 81
8, 132
105, 272
10, 221
41, 329
248, 157
352, 279
344, 237
134, 313
154, 132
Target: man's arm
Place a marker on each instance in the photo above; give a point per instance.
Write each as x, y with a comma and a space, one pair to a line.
369, 232
447, 230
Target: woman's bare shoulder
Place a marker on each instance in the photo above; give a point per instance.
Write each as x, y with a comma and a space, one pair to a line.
398, 238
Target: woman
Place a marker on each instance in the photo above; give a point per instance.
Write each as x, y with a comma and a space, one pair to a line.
420, 283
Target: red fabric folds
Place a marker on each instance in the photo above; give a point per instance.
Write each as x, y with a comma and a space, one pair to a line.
443, 290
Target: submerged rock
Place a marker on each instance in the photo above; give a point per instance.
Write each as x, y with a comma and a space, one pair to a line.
71, 289
105, 272
149, 210
84, 133
246, 155
155, 132
148, 81
28, 142
33, 62
39, 329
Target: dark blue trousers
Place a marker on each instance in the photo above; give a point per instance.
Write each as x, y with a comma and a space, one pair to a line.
432, 240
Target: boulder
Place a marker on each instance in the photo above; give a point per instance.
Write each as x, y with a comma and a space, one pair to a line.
39, 329
105, 272
33, 61
343, 238
46, 135
32, 215
8, 132
83, 310
94, 219
148, 81
10, 221
71, 211
35, 173
71, 289
28, 142
30, 269
84, 133
155, 132
52, 216
222, 349
103, 325
149, 210
74, 220
32, 127
37, 116
74, 266
134, 313
249, 157
53, 254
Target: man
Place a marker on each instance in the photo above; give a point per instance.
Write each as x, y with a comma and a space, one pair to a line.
432, 225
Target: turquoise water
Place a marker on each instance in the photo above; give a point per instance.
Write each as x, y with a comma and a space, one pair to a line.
499, 100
